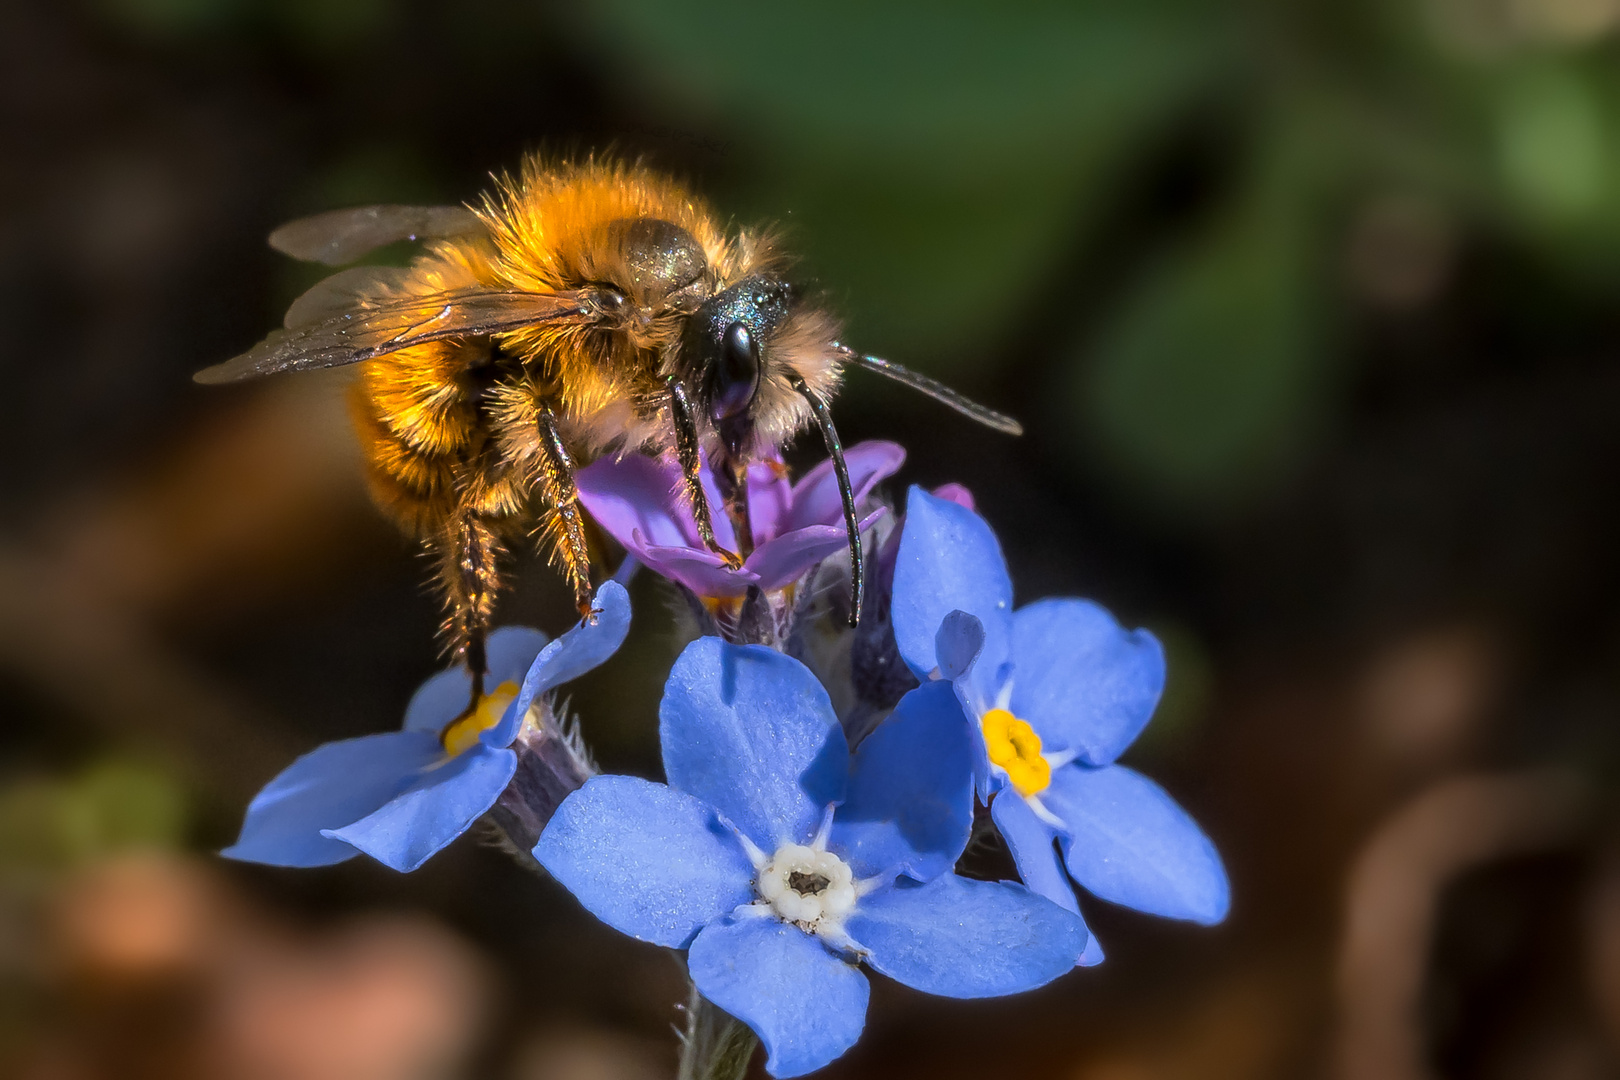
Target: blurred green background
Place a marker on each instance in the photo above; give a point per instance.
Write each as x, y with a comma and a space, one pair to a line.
1310, 311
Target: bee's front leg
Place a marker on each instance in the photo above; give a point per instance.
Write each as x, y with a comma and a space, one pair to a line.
732, 480
690, 452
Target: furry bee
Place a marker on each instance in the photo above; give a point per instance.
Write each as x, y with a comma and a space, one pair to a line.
581, 308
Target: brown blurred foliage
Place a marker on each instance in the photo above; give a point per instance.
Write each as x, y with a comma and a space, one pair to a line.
153, 966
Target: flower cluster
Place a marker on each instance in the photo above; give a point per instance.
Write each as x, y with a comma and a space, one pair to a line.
780, 859
813, 815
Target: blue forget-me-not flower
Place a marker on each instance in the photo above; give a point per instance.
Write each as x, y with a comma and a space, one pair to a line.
401, 796
779, 859
1055, 691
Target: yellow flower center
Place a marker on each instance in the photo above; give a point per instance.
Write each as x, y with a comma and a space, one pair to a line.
1016, 749
462, 734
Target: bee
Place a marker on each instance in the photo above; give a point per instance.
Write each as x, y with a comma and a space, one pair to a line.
582, 308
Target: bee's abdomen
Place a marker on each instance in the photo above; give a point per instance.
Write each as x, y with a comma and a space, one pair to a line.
414, 489
424, 397
421, 432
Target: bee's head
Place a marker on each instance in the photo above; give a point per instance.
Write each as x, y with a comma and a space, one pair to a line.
742, 353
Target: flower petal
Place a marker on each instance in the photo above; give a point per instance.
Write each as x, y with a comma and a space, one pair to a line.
769, 497
646, 859
588, 645
986, 780
966, 939
782, 561
1035, 853
816, 500
1034, 849
700, 570
637, 493
329, 787
508, 654
910, 800
752, 733
949, 561
806, 1005
958, 644
1128, 842
1084, 682
439, 806
439, 700
957, 494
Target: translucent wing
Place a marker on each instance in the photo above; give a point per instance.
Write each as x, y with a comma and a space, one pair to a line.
342, 236
374, 328
345, 291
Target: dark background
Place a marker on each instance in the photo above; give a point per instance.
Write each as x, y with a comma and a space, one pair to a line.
1309, 310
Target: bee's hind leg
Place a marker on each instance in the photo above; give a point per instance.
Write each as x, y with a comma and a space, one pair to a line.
564, 521
473, 652
468, 557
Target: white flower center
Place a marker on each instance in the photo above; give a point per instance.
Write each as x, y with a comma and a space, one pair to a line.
811, 888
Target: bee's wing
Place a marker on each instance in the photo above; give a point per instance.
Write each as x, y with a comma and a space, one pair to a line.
372, 328
345, 292
342, 236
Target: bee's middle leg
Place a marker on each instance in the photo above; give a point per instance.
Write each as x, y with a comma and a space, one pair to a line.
565, 520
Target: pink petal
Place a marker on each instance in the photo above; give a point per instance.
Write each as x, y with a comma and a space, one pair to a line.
769, 498
784, 560
957, 494
815, 498
637, 493
704, 572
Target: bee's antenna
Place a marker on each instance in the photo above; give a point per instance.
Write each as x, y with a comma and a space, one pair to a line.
835, 449
936, 390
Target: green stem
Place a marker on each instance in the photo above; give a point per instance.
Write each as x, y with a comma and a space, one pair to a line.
716, 1045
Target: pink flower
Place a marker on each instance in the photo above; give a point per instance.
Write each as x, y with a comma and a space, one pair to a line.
639, 501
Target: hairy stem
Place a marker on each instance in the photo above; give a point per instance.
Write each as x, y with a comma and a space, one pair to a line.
715, 1045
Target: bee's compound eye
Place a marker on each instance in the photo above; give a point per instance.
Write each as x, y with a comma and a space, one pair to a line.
736, 372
